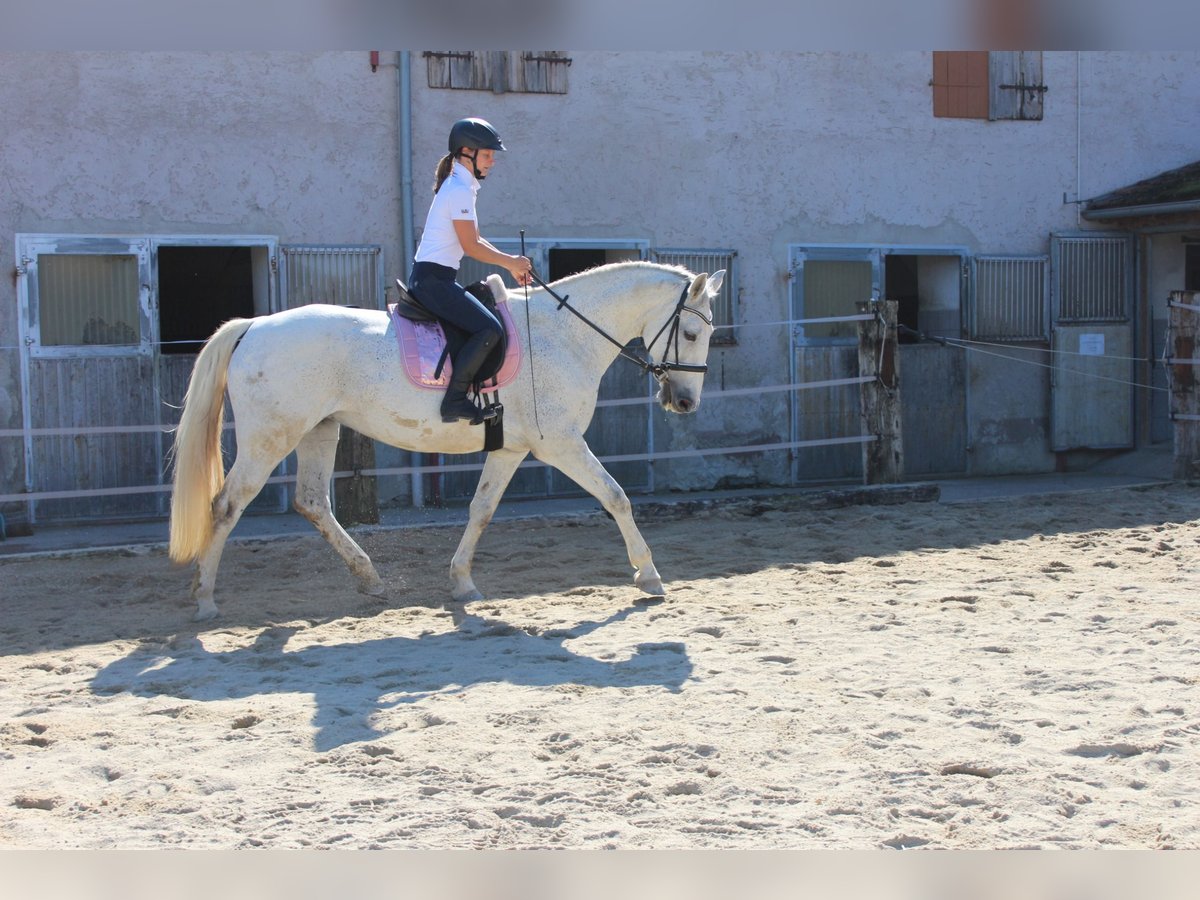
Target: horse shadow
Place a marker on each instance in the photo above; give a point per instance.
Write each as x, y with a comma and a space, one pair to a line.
353, 681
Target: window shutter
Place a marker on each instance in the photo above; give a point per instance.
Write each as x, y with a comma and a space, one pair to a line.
540, 71
1016, 85
527, 71
960, 84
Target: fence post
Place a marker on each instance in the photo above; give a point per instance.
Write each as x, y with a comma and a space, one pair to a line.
1185, 410
878, 356
355, 499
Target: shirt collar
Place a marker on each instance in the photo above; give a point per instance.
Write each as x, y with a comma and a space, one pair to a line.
462, 172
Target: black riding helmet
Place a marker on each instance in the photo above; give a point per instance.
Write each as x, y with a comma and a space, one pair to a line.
474, 134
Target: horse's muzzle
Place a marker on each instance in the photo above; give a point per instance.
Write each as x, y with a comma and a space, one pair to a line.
677, 401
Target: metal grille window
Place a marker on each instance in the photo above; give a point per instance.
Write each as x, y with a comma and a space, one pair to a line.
724, 308
340, 275
1092, 278
522, 71
1008, 302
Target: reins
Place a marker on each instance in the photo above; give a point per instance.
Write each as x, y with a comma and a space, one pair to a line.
658, 370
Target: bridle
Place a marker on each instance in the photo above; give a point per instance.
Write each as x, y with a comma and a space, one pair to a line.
661, 371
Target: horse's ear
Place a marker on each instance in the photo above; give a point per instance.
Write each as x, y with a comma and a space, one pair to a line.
697, 287
715, 280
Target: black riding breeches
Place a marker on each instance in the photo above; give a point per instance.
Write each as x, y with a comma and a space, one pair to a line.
435, 288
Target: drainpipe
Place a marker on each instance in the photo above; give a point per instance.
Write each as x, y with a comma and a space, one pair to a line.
407, 242
406, 174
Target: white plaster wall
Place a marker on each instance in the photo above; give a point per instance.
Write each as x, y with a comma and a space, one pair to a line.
298, 145
746, 150
756, 151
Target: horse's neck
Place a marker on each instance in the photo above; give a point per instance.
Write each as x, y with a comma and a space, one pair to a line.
620, 304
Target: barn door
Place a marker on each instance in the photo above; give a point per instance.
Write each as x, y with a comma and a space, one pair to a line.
91, 427
826, 283
1092, 289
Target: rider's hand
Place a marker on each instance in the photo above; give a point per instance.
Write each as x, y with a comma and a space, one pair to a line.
521, 269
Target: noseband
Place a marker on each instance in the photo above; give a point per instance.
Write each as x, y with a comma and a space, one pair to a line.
661, 370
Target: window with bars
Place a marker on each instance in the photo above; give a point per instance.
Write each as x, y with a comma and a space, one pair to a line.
1092, 277
1008, 302
499, 71
343, 275
992, 85
724, 311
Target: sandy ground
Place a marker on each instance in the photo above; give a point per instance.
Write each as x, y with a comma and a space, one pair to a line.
1018, 673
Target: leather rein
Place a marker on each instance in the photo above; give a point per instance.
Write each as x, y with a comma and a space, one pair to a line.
659, 370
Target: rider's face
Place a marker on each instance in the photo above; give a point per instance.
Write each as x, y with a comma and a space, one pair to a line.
484, 160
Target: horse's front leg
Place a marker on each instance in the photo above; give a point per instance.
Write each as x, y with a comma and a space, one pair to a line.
577, 462
498, 471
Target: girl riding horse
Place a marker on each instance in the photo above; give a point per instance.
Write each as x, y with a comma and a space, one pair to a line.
452, 231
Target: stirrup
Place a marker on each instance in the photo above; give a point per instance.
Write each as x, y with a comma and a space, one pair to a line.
476, 416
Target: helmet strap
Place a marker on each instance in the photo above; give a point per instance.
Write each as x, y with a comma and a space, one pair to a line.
474, 168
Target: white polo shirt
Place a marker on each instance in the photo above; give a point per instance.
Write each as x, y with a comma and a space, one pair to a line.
455, 200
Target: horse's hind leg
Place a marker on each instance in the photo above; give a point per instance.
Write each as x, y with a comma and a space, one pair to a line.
497, 473
315, 456
577, 462
245, 479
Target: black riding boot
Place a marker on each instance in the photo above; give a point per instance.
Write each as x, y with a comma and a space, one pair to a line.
474, 354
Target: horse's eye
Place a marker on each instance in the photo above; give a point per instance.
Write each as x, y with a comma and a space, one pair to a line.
689, 336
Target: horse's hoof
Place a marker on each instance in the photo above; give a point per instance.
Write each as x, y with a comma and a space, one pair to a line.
466, 596
651, 585
205, 614
373, 588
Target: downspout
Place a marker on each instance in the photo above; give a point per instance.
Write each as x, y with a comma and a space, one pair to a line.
407, 242
406, 174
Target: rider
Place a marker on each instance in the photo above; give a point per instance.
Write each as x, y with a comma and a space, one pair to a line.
452, 230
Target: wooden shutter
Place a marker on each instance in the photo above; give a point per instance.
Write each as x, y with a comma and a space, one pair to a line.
960, 84
1016, 85
498, 71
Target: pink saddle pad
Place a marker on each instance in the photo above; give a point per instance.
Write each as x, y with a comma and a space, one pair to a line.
421, 345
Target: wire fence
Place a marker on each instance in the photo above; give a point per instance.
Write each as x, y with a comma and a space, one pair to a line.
981, 347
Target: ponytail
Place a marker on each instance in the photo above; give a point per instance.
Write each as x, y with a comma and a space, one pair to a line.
444, 166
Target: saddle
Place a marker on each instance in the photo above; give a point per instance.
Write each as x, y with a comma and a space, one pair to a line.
428, 344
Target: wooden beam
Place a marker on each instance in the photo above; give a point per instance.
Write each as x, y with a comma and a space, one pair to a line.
1185, 402
878, 356
355, 499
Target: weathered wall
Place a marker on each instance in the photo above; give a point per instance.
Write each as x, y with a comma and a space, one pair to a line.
756, 151
746, 150
298, 145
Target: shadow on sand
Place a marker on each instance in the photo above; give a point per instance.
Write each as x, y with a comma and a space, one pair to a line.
350, 682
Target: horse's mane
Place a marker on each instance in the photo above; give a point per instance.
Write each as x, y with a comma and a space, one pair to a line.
631, 264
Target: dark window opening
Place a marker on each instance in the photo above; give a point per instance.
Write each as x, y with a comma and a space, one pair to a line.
199, 288
900, 276
927, 289
565, 261
1191, 267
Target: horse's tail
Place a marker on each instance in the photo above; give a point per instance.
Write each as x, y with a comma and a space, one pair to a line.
199, 468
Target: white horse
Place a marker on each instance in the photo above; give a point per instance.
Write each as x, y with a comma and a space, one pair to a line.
295, 377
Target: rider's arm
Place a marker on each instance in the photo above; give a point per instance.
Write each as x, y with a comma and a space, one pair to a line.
476, 247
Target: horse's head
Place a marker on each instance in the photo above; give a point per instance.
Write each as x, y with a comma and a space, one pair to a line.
679, 348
